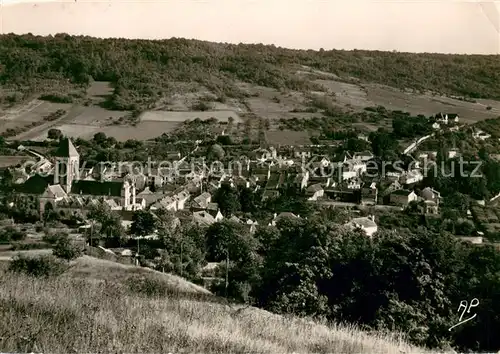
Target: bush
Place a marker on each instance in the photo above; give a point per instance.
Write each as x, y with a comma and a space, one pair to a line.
52, 238
10, 234
147, 286
54, 134
43, 266
64, 249
56, 98
18, 246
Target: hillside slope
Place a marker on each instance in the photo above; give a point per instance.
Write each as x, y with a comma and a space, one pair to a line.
101, 306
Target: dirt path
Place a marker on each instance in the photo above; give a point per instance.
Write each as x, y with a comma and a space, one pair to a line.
14, 113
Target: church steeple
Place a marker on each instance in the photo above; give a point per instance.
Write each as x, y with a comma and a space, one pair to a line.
66, 149
67, 165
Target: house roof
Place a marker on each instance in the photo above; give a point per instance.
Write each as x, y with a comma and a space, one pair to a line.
36, 184
203, 217
213, 206
286, 214
110, 188
429, 193
314, 188
403, 192
55, 191
202, 200
364, 222
66, 149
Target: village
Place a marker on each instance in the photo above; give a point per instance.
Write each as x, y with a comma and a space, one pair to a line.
358, 182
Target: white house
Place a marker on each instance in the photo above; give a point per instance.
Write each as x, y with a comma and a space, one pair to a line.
363, 156
480, 135
430, 194
366, 224
315, 191
412, 177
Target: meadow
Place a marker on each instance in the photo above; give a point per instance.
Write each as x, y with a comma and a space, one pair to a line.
101, 306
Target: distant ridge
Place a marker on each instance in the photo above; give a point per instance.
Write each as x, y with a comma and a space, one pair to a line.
445, 26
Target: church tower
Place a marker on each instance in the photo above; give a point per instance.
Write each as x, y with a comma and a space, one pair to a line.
67, 169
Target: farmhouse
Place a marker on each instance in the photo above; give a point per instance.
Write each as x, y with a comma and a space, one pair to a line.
403, 197
315, 191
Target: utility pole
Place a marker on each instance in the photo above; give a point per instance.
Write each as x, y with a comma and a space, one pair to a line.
91, 234
227, 271
182, 266
137, 254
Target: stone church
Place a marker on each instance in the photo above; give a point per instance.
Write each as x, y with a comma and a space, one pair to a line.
67, 193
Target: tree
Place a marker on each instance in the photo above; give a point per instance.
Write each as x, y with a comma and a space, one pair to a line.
183, 250
228, 200
383, 144
215, 153
63, 248
109, 221
356, 145
231, 243
143, 223
100, 138
54, 134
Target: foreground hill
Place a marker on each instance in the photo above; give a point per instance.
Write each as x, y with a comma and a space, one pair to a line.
101, 306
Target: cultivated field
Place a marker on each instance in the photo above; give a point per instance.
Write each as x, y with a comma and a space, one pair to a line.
6, 161
261, 102
100, 306
360, 95
179, 117
32, 111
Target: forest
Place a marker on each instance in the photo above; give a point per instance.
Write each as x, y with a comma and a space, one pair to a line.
143, 70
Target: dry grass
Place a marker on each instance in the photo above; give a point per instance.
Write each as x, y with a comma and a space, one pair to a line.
92, 310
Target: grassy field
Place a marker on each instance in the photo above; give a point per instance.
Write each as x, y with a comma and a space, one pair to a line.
6, 161
95, 308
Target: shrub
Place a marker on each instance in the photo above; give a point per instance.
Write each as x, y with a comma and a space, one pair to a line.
52, 238
56, 98
147, 286
65, 249
43, 266
18, 246
10, 234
